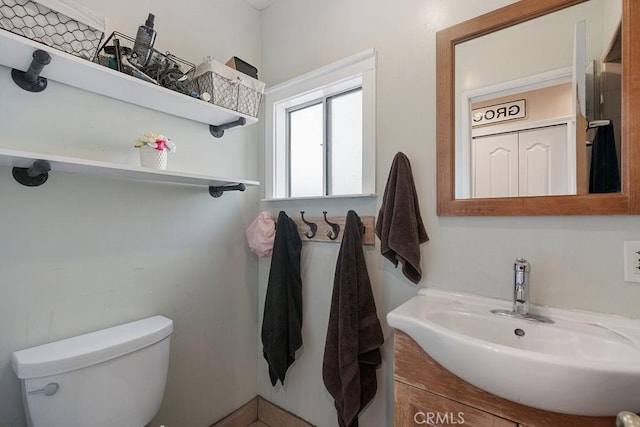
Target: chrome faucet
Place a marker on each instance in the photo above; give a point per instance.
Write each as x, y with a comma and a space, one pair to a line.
521, 269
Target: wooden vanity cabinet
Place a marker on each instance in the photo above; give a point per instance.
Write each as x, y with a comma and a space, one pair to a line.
414, 406
423, 389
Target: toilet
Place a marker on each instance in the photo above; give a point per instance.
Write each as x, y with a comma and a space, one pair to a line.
112, 377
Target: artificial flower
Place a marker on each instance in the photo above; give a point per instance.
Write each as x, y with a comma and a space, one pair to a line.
154, 140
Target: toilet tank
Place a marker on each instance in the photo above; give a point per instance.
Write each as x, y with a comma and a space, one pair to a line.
112, 377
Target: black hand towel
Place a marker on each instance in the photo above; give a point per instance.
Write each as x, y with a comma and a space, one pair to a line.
604, 176
354, 335
282, 320
399, 225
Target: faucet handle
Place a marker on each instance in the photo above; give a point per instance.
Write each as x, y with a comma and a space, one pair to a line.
522, 264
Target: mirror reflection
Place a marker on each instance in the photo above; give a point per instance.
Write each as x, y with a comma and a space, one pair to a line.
538, 106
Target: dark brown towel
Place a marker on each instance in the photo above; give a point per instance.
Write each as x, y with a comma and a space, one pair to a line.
282, 320
354, 335
399, 225
604, 176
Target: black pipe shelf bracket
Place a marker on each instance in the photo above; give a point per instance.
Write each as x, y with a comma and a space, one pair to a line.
31, 80
219, 191
218, 131
33, 176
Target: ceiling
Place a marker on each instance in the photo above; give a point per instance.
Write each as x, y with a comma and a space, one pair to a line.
260, 4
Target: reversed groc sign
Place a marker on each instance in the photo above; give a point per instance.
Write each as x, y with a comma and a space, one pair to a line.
499, 113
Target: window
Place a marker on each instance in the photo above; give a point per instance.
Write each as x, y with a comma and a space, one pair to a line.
320, 132
325, 138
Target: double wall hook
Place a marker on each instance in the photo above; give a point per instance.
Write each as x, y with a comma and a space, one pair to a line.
335, 228
312, 225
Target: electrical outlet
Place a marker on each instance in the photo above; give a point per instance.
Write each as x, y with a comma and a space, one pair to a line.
632, 262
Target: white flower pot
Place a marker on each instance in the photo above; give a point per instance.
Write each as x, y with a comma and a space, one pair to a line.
152, 158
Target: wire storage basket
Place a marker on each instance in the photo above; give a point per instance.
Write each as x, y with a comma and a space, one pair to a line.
163, 69
227, 87
63, 25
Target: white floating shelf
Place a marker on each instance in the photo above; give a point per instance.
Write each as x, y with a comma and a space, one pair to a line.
24, 159
17, 52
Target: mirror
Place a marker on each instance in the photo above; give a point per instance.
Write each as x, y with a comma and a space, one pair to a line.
520, 115
500, 95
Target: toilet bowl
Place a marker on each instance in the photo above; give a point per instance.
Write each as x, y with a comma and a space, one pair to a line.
112, 377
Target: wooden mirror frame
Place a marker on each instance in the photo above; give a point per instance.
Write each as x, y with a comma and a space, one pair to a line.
624, 203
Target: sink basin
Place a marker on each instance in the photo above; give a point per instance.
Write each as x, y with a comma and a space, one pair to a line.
584, 363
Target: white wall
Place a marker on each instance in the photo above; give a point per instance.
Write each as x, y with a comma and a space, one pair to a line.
529, 48
82, 253
611, 21
576, 261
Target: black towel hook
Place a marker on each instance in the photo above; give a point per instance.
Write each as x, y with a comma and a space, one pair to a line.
335, 228
312, 225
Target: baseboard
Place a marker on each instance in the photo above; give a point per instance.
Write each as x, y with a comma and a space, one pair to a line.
261, 410
241, 417
275, 416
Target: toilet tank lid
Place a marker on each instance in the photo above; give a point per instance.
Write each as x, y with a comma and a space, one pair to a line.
89, 349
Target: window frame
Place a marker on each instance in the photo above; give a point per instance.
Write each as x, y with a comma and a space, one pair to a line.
357, 71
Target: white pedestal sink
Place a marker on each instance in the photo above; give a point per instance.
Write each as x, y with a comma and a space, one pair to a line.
584, 363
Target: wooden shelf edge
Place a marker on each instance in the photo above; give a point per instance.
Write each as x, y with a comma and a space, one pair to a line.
16, 52
24, 159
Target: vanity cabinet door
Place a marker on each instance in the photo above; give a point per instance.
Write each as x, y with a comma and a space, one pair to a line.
416, 407
417, 370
